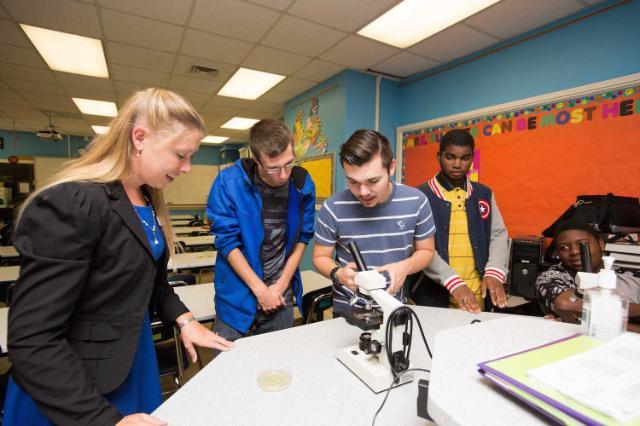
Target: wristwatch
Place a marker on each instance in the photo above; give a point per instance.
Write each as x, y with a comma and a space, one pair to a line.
334, 275
184, 322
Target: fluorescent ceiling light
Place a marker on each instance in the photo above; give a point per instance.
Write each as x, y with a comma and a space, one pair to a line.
249, 84
414, 20
214, 139
100, 130
69, 52
91, 107
239, 123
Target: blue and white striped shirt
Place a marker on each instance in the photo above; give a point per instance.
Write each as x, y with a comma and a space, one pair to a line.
384, 233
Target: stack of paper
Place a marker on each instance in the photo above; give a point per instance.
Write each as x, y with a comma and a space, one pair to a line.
577, 380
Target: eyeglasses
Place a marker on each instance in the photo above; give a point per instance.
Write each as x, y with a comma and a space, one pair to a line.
276, 170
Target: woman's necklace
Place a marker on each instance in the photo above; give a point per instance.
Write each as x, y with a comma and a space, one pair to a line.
144, 222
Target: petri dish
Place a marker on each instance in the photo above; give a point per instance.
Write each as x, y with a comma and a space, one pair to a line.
274, 380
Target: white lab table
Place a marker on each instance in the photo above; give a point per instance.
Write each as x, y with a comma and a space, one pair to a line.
324, 392
187, 230
201, 240
199, 259
199, 300
458, 395
9, 273
8, 252
181, 217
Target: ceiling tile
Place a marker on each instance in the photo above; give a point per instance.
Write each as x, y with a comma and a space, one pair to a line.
62, 15
8, 123
26, 73
21, 56
35, 97
264, 107
195, 84
127, 89
318, 70
232, 18
11, 33
219, 110
83, 81
139, 31
454, 42
184, 63
138, 75
299, 36
197, 99
276, 97
348, 16
359, 52
276, 61
3, 14
273, 4
227, 102
524, 15
23, 113
99, 95
27, 126
14, 102
404, 64
214, 47
173, 11
53, 107
294, 85
8, 93
140, 57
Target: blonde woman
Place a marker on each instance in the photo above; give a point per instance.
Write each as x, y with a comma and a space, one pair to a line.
94, 255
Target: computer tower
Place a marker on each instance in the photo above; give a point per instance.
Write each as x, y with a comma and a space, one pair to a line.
525, 261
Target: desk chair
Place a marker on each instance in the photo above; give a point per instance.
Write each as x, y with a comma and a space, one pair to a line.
196, 222
315, 303
171, 355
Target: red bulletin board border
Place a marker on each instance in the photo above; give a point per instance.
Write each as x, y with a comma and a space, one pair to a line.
538, 159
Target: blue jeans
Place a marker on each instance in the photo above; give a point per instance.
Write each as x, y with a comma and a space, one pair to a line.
263, 322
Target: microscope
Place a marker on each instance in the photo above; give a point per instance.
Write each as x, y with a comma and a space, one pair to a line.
377, 359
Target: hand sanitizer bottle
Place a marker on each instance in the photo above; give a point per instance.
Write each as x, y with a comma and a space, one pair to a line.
604, 310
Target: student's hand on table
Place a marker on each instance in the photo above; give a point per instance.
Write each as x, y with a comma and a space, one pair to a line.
496, 291
552, 317
346, 276
466, 299
270, 299
140, 419
197, 334
398, 272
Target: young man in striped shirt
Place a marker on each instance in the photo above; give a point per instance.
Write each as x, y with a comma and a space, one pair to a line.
471, 242
391, 223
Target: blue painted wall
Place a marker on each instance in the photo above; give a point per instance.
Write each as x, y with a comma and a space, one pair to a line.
599, 47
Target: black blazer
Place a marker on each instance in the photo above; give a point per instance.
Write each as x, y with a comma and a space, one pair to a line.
87, 277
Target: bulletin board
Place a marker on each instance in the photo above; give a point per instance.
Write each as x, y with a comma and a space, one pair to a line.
321, 167
539, 155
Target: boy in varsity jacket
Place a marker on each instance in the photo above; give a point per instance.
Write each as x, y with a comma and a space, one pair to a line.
471, 239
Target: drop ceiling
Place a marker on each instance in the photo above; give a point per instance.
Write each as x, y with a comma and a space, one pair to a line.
156, 42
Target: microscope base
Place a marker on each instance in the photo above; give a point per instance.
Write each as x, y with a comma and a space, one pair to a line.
374, 371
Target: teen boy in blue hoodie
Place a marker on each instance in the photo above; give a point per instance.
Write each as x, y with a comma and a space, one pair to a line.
262, 212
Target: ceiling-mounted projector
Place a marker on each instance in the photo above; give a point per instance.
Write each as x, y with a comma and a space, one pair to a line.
49, 133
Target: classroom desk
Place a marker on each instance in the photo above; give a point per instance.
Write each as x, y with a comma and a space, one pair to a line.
200, 259
187, 230
181, 217
201, 240
9, 273
180, 222
199, 300
455, 378
8, 252
324, 392
311, 280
